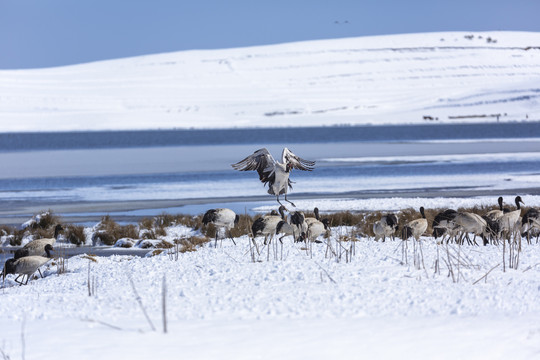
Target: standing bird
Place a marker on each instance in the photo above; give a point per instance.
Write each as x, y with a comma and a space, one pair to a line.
316, 218
24, 266
443, 224
295, 225
416, 227
267, 225
385, 226
38, 247
316, 226
274, 173
468, 222
222, 219
495, 215
510, 220
35, 248
531, 223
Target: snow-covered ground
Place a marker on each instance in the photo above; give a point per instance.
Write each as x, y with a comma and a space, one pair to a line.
450, 77
221, 304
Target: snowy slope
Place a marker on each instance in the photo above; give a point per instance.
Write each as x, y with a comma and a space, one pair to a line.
221, 305
383, 79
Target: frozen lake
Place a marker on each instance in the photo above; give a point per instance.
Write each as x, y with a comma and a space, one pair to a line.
130, 174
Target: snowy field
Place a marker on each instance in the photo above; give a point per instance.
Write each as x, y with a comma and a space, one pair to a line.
289, 304
412, 78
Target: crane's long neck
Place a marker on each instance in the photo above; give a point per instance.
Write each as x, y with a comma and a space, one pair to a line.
281, 213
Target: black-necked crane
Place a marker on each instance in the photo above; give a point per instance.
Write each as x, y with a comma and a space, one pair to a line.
316, 226
531, 222
272, 172
24, 266
39, 247
469, 222
510, 221
415, 228
317, 216
52, 240
385, 226
295, 225
495, 215
267, 224
443, 224
222, 218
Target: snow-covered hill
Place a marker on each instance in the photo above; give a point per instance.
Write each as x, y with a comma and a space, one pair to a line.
416, 78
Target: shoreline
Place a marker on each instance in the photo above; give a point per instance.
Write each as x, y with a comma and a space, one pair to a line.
132, 211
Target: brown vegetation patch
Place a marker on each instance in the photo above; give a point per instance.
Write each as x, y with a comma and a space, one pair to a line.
75, 234
109, 231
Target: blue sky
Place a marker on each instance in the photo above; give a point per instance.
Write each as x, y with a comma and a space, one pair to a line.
44, 33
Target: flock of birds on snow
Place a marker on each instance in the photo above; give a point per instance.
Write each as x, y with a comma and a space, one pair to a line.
491, 227
31, 257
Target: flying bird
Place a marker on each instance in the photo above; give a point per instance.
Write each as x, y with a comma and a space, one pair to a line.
272, 172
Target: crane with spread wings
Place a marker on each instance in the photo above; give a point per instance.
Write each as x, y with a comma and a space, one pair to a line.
272, 172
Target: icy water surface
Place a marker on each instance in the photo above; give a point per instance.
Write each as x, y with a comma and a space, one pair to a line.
189, 170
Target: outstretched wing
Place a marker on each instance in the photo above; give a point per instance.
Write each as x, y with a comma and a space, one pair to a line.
260, 160
295, 161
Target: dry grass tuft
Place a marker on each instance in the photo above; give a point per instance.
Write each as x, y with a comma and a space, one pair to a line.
166, 220
198, 240
157, 252
75, 234
44, 220
164, 245
109, 231
345, 218
6, 230
209, 231
189, 244
153, 228
48, 220
90, 257
13, 236
243, 227
146, 223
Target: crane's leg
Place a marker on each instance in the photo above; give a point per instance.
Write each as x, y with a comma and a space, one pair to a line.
255, 245
40, 274
16, 279
288, 200
277, 197
231, 237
